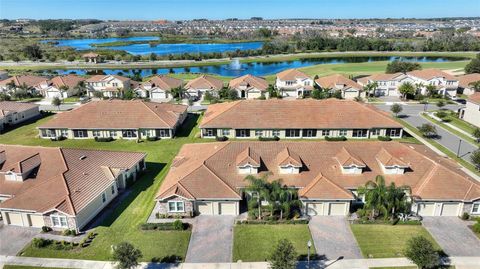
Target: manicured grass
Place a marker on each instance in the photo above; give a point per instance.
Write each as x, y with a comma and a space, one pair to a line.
450, 129
386, 241
26, 267
123, 223
256, 242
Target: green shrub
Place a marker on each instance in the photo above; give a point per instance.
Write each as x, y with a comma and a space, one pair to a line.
46, 229
422, 252
476, 227
273, 221
339, 138
152, 138
178, 225
168, 226
221, 138
465, 216
275, 138
40, 242
103, 139
384, 138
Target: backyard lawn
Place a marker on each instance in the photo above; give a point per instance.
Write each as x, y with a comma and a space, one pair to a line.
123, 223
386, 241
255, 242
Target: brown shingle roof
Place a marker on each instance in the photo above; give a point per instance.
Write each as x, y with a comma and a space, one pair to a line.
205, 82
249, 81
98, 78
118, 114
284, 114
291, 74
63, 180
332, 81
465, 80
165, 83
248, 156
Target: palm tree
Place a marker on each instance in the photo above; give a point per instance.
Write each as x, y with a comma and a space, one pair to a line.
406, 89
80, 88
397, 199
418, 87
371, 88
431, 89
258, 187
375, 196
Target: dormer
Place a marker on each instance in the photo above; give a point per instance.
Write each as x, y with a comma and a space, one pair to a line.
289, 162
349, 163
22, 170
391, 165
248, 162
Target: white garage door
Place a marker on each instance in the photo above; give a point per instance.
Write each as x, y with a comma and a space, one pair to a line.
336, 209
204, 208
315, 209
53, 94
450, 209
426, 209
36, 221
158, 95
15, 219
227, 208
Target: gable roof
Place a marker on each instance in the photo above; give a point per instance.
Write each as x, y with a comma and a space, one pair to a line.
428, 74
292, 74
118, 114
69, 81
63, 181
7, 107
29, 80
205, 82
474, 98
99, 78
324, 187
465, 80
345, 158
288, 157
163, 82
248, 157
332, 81
249, 81
379, 77
285, 114
387, 159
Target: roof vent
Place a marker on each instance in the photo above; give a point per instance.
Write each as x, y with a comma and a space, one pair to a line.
83, 157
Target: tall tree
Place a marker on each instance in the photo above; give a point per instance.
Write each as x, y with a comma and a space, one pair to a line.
406, 89
422, 252
396, 108
126, 255
284, 256
375, 193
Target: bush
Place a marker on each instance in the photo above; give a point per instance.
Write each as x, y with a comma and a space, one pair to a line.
46, 229
465, 216
476, 227
275, 138
339, 138
177, 225
384, 138
221, 138
126, 255
58, 138
40, 242
273, 222
103, 139
421, 252
152, 138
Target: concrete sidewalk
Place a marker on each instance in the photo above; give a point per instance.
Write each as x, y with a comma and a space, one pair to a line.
459, 262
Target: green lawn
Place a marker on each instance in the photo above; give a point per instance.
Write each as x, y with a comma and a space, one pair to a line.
450, 129
256, 242
123, 224
26, 267
386, 241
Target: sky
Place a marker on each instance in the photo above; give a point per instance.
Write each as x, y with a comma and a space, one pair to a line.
222, 9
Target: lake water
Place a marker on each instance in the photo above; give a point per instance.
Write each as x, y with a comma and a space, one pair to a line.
258, 68
160, 49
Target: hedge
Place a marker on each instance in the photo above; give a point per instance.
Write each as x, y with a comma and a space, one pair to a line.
152, 138
339, 138
273, 222
221, 138
384, 138
167, 226
103, 139
275, 138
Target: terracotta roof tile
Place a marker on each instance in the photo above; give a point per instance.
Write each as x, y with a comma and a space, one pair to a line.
291, 74
249, 81
205, 82
465, 80
163, 82
337, 81
428, 74
29, 80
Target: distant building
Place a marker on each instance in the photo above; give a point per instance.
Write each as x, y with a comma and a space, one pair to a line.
196, 88
349, 88
111, 86
59, 86
465, 83
15, 83
91, 57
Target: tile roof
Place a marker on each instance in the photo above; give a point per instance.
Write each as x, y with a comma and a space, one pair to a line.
163, 82
209, 170
465, 80
249, 81
284, 114
431, 73
98, 78
7, 107
474, 98
118, 114
333, 81
205, 82
379, 77
63, 181
291, 74
69, 81
29, 80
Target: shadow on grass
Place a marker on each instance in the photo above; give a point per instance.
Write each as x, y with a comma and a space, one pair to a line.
8, 128
188, 125
116, 208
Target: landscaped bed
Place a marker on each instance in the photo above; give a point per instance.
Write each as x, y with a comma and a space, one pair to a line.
386, 241
256, 242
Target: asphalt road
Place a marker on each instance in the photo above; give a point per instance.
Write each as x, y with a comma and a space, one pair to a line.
411, 113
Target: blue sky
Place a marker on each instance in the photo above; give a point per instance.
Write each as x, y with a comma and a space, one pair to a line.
220, 9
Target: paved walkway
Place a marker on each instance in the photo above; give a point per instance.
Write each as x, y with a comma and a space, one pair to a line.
14, 238
453, 235
211, 240
333, 237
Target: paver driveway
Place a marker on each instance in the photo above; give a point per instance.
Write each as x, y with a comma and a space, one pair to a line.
333, 237
14, 238
211, 240
453, 236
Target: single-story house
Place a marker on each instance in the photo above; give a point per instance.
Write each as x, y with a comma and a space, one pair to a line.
12, 113
209, 178
158, 87
197, 87
15, 83
465, 83
111, 86
59, 86
349, 88
471, 112
293, 83
123, 119
294, 119
249, 87
61, 188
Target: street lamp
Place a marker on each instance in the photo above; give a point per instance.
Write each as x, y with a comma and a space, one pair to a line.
309, 245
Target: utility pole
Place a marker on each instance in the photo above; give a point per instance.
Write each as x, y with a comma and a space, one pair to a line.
459, 145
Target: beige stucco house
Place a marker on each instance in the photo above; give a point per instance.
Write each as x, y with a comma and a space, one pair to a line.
471, 112
158, 88
209, 178
465, 83
15, 83
250, 87
59, 86
61, 188
197, 87
111, 86
12, 113
350, 89
118, 119
293, 83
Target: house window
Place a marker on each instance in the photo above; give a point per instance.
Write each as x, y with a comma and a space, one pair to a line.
64, 133
360, 133
113, 189
104, 198
96, 133
342, 132
80, 133
375, 132
48, 133
242, 133
113, 133
292, 133
309, 133
476, 208
258, 133
226, 132
209, 132
59, 221
129, 133
176, 206
325, 132
163, 133
276, 132
394, 132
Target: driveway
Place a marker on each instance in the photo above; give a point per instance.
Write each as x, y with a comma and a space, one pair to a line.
453, 236
211, 240
333, 238
14, 238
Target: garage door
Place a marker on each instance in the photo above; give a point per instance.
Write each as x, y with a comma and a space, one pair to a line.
314, 209
36, 221
53, 94
204, 208
227, 208
336, 209
15, 219
425, 209
450, 209
158, 95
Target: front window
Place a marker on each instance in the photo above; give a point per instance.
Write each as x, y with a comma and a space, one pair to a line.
209, 132
64, 133
476, 208
80, 133
176, 206
226, 132
258, 133
276, 132
163, 133
113, 133
342, 132
96, 133
129, 133
309, 133
325, 132
48, 133
375, 132
113, 189
394, 132
360, 133
292, 133
104, 198
59, 221
243, 133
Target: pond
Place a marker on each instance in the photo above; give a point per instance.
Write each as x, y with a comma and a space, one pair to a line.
256, 68
160, 49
